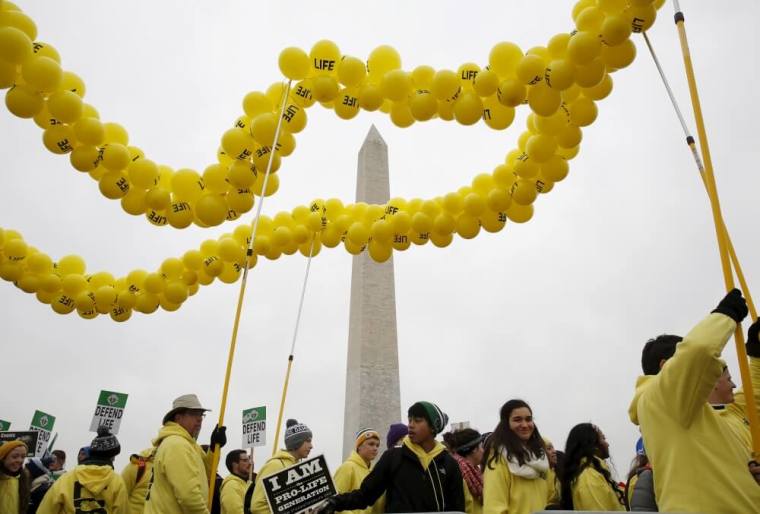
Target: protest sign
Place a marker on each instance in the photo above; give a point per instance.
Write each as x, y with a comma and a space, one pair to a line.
5, 425
108, 411
42, 423
299, 487
254, 427
29, 437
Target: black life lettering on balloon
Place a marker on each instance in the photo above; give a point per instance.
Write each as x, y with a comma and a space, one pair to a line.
54, 121
156, 218
350, 101
424, 236
637, 25
180, 206
261, 152
535, 80
64, 145
303, 92
398, 238
469, 74
486, 114
540, 185
324, 64
37, 47
240, 124
523, 157
502, 217
123, 184
246, 153
290, 112
391, 209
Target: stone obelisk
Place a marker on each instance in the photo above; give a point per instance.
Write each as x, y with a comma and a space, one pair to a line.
373, 398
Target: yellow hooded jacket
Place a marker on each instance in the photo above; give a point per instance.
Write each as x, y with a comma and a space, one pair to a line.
349, 476
700, 463
504, 493
281, 460
232, 494
86, 487
138, 489
9, 494
592, 492
180, 474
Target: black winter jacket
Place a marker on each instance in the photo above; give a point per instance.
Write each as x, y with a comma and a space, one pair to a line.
407, 486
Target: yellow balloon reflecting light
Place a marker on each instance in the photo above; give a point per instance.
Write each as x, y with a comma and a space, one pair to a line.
561, 83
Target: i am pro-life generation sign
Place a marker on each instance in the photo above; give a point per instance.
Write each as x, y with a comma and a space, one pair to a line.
108, 411
297, 488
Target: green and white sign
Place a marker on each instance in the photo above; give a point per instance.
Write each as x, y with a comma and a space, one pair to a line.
108, 411
42, 422
5, 425
254, 427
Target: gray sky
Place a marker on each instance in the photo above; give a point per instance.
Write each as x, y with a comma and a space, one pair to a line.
554, 311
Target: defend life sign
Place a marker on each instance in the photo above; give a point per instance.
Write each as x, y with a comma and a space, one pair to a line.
109, 411
43, 424
254, 427
5, 425
297, 488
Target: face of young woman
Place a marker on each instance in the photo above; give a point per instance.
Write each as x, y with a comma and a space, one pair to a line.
15, 459
604, 446
368, 449
521, 423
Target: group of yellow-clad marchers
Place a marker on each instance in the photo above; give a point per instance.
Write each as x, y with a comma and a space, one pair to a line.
695, 454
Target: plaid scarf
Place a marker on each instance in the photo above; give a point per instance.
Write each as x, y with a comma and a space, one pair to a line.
472, 477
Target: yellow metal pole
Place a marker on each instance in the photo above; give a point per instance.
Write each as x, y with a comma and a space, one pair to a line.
751, 407
238, 310
282, 404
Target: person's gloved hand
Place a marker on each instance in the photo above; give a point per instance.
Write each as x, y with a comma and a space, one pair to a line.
325, 507
754, 468
753, 339
733, 305
219, 437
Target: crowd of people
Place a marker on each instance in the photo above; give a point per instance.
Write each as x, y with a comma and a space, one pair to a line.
694, 454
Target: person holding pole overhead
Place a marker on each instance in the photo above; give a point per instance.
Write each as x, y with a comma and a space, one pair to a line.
179, 484
684, 436
297, 447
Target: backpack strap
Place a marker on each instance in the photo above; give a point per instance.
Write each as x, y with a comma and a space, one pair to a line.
87, 505
248, 498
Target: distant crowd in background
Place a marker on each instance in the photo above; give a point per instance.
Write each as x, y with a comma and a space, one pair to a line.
695, 454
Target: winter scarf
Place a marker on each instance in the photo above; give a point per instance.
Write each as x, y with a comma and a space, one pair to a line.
472, 477
532, 469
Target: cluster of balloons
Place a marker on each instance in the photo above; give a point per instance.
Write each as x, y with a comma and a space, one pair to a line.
560, 82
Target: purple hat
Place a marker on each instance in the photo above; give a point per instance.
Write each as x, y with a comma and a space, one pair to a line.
396, 432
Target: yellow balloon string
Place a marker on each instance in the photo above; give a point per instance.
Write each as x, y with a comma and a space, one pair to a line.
720, 230
238, 309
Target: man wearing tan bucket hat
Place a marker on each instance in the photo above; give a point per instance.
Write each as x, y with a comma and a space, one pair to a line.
180, 470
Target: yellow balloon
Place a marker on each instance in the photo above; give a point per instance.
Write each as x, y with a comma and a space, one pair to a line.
583, 111
468, 72
555, 169
511, 92
474, 204
422, 77
560, 74
89, 131
84, 158
583, 47
143, 173
113, 185
294, 119
396, 85
179, 214
620, 56
540, 148
63, 304
175, 292
557, 46
370, 97
493, 221
42, 74
530, 69
569, 137
211, 209
615, 29
496, 115
486, 83
347, 104
642, 16
467, 226
72, 82
503, 59
325, 88
15, 45
23, 101
255, 103
351, 71
590, 19
401, 115
381, 60
324, 56
115, 157
468, 108
294, 64
423, 105
237, 143
519, 213
240, 200
445, 85
59, 139
544, 100
590, 74
600, 90
134, 201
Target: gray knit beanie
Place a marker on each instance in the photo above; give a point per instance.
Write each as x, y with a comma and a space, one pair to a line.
296, 434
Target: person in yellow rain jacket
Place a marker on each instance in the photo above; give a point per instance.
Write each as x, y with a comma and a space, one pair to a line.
354, 470
699, 463
234, 486
297, 447
136, 475
14, 479
179, 482
552, 482
92, 486
516, 467
466, 446
586, 482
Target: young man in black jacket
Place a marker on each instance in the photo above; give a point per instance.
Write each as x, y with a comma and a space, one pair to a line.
419, 476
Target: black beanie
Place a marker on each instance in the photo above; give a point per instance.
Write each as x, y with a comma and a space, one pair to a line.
105, 446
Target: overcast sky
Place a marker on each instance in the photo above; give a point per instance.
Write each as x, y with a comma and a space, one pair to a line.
554, 311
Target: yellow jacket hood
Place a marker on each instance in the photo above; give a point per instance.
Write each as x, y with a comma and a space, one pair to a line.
425, 457
357, 459
172, 428
641, 384
94, 478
